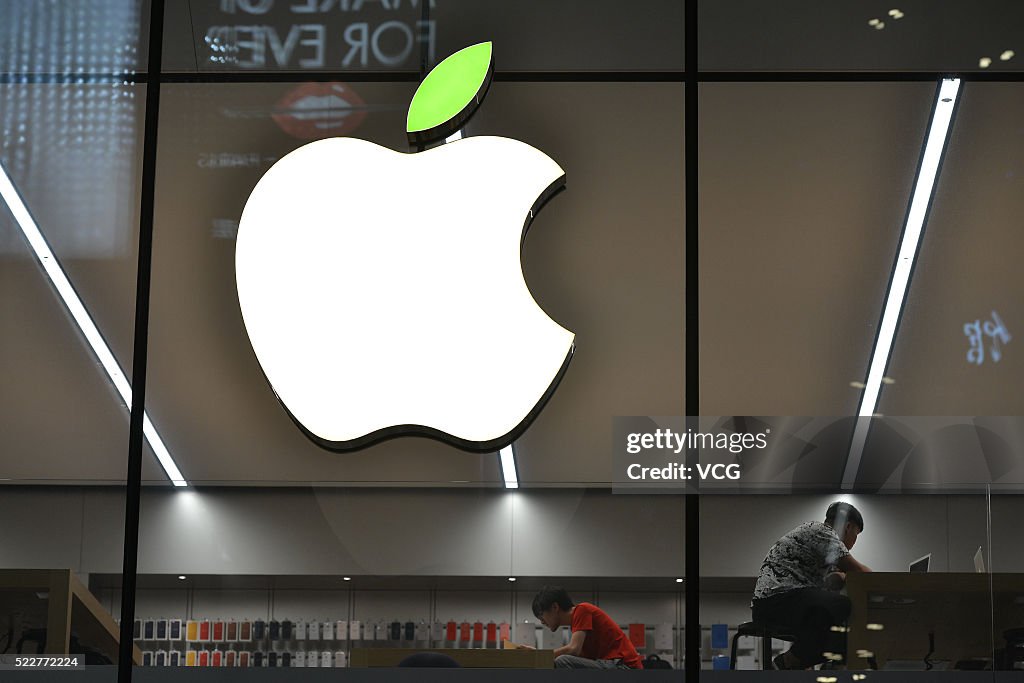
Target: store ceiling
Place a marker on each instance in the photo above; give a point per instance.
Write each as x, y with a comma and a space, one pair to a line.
803, 193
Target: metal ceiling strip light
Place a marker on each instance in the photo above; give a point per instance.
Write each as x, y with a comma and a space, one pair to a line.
508, 467
507, 454
59, 280
913, 229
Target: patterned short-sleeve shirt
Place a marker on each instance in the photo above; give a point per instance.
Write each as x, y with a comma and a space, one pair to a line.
800, 559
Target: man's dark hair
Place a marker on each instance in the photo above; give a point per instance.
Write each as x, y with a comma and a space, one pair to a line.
838, 514
548, 596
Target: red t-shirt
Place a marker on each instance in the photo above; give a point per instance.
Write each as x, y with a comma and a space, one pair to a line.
605, 640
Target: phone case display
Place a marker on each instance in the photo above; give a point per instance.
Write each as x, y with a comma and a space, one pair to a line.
259, 629
340, 659
326, 660
663, 637
549, 639
341, 630
218, 631
396, 630
244, 658
464, 634
174, 629
191, 631
492, 633
299, 630
137, 629
504, 631
204, 631
422, 632
300, 659
147, 658
230, 658
409, 631
526, 634
257, 658
383, 630
161, 629
204, 658
451, 631
174, 658
147, 629
313, 658
272, 658
275, 629
286, 659
327, 630
638, 635
245, 631
190, 658
354, 630
286, 630
231, 629
216, 658
478, 633
313, 630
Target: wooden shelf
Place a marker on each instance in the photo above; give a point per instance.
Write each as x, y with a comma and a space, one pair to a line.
69, 606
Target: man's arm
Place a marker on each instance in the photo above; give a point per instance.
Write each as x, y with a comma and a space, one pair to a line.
848, 564
575, 646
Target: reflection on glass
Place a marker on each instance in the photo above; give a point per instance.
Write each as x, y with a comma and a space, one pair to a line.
993, 328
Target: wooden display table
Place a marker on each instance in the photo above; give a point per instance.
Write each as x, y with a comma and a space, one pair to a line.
468, 658
68, 606
967, 620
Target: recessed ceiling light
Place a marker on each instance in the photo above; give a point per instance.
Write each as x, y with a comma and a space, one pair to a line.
182, 577
51, 266
346, 578
888, 380
1006, 56
879, 26
857, 385
896, 14
984, 62
873, 22
899, 283
511, 578
679, 580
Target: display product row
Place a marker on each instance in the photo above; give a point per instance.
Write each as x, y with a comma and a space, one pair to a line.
464, 633
245, 658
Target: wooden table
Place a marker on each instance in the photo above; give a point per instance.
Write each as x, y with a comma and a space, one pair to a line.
469, 658
967, 613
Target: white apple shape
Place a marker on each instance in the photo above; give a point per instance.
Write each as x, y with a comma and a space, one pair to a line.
383, 293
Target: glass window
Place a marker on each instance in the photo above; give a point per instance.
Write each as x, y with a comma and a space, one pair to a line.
808, 36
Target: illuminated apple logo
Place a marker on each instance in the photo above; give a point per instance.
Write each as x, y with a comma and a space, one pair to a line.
383, 292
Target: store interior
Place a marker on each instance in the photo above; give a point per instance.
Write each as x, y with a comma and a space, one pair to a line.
329, 559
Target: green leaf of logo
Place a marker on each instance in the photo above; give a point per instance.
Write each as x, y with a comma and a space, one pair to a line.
450, 94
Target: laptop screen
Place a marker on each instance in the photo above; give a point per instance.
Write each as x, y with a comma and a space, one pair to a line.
920, 566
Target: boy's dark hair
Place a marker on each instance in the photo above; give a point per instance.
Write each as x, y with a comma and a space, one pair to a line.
548, 596
838, 514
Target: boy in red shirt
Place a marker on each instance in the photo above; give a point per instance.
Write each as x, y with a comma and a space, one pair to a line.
597, 642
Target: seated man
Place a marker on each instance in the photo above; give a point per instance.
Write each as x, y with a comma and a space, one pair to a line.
799, 582
597, 642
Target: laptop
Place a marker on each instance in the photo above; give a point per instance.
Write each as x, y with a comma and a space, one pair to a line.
979, 561
920, 565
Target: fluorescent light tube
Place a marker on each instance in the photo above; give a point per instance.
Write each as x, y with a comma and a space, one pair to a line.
507, 454
935, 144
76, 308
508, 467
